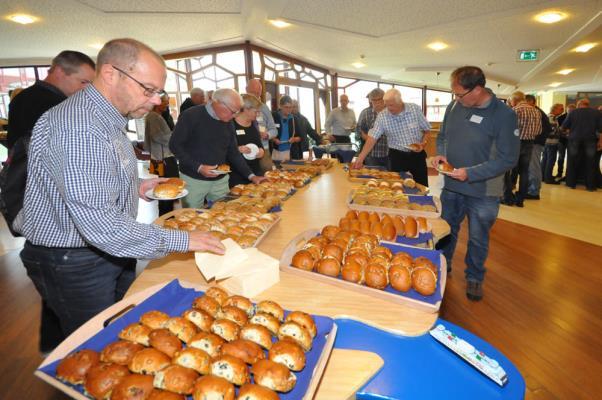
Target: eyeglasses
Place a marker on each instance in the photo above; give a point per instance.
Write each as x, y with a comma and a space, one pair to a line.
233, 112
148, 91
463, 94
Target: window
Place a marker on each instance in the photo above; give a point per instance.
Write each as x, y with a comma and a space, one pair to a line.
436, 103
410, 94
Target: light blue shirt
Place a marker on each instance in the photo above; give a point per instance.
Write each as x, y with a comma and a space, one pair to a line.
401, 129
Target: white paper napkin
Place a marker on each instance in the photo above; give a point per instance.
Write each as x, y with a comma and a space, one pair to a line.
212, 265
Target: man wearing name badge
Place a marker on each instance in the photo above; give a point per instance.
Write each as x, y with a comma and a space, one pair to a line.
406, 129
205, 138
267, 128
479, 137
341, 122
81, 199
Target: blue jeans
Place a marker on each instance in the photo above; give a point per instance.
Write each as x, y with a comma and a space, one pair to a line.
482, 213
535, 170
548, 161
75, 284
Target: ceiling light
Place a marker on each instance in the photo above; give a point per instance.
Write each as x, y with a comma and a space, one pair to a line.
584, 48
278, 23
23, 19
437, 46
358, 64
550, 17
565, 71
555, 84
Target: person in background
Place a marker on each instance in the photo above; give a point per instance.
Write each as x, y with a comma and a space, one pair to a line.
166, 113
479, 137
563, 143
265, 121
341, 122
529, 126
551, 147
404, 124
197, 98
305, 129
81, 200
156, 142
584, 125
210, 94
379, 156
247, 133
288, 143
205, 138
535, 174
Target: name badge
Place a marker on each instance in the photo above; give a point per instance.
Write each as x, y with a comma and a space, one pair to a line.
476, 119
240, 132
277, 125
259, 118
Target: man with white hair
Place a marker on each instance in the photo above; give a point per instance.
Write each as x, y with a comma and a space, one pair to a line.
197, 98
341, 122
406, 129
204, 138
267, 128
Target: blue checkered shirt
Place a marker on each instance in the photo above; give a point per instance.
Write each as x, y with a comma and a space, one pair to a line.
364, 124
401, 129
82, 183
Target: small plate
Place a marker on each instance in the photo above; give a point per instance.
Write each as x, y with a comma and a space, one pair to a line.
253, 154
218, 172
444, 172
150, 195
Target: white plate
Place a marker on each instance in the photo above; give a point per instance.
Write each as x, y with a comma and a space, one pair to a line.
444, 172
218, 172
254, 150
150, 195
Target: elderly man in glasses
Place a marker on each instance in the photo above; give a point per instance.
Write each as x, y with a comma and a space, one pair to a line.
81, 199
205, 138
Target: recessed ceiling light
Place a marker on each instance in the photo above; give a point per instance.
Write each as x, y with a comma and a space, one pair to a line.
278, 23
23, 19
358, 64
437, 46
96, 46
550, 17
555, 84
584, 48
565, 71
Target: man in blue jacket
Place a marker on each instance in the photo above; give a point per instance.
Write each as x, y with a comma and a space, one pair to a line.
479, 137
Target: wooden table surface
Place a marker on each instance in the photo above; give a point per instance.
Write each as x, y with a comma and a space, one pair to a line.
320, 203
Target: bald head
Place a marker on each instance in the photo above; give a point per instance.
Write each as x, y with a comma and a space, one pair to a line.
344, 101
583, 103
254, 87
125, 53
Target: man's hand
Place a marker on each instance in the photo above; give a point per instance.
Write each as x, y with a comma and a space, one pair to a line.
277, 141
244, 149
358, 163
258, 179
203, 241
149, 184
459, 174
331, 138
206, 171
438, 160
295, 139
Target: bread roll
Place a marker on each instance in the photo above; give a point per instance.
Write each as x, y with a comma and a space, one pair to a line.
424, 281
133, 387
233, 314
212, 387
382, 251
274, 376
334, 251
293, 331
268, 321
403, 259
330, 231
257, 334
248, 351
345, 224
166, 191
400, 278
304, 260
399, 226
289, 354
179, 183
207, 304
232, 369
208, 342
272, 308
193, 358
159, 394
182, 328
423, 262
389, 232
226, 329
219, 294
305, 320
365, 226
422, 224
148, 361
165, 341
154, 319
176, 378
411, 227
352, 271
376, 276
120, 352
351, 214
250, 391
241, 302
363, 216
445, 167
200, 318
73, 368
136, 333
376, 229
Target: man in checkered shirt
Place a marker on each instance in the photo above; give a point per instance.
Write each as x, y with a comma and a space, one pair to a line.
406, 128
379, 156
81, 199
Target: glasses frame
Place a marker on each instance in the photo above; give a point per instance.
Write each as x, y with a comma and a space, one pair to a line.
460, 96
234, 113
148, 91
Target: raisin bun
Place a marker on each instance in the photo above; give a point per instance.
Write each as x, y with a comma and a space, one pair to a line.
136, 333
420, 262
154, 319
424, 281
232, 369
257, 334
303, 259
400, 278
274, 376
120, 352
305, 320
226, 329
133, 387
73, 368
182, 328
376, 276
272, 308
234, 314
200, 318
329, 266
208, 342
289, 354
102, 378
241, 302
212, 387
266, 320
218, 293
148, 361
176, 378
165, 341
158, 394
246, 350
193, 358
251, 391
297, 333
207, 304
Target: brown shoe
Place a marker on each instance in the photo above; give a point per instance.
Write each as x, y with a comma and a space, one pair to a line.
474, 290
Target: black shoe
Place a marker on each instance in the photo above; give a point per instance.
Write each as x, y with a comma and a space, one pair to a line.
474, 290
507, 201
552, 183
572, 187
519, 203
531, 196
562, 179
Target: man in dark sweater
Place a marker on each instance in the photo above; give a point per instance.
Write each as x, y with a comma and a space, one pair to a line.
197, 98
203, 139
479, 136
535, 170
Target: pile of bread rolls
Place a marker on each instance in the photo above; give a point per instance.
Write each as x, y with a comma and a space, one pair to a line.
206, 352
387, 197
247, 204
169, 189
375, 173
359, 258
322, 162
387, 227
264, 190
402, 186
243, 228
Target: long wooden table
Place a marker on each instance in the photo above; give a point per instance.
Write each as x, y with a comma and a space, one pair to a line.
320, 203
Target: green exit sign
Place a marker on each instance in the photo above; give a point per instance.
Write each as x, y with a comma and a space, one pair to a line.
528, 55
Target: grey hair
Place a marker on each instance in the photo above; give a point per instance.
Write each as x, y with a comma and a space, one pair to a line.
376, 93
70, 61
250, 101
226, 96
285, 100
124, 53
196, 90
393, 94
